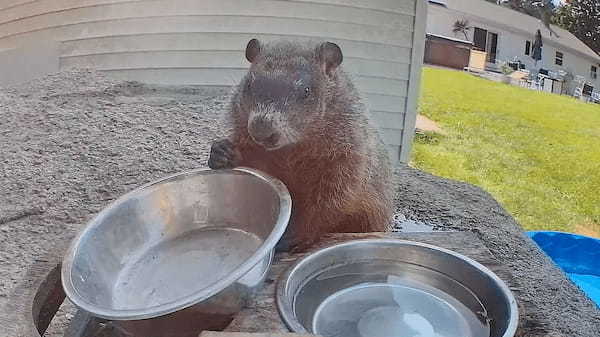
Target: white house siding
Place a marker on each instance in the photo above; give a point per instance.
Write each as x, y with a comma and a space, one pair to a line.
193, 42
511, 39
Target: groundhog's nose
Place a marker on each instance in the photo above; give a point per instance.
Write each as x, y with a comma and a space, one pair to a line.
262, 132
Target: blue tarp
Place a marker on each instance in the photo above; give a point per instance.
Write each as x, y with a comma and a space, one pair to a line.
578, 256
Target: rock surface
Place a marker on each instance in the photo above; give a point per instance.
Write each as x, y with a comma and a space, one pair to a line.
555, 306
72, 142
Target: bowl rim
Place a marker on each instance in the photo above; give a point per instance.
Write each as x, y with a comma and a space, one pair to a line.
265, 250
285, 305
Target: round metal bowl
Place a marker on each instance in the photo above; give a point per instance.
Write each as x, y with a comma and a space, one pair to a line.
394, 288
191, 244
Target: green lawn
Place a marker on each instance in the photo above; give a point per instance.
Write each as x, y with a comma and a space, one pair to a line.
538, 154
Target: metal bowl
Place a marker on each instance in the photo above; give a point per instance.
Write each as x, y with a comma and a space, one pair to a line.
394, 288
191, 244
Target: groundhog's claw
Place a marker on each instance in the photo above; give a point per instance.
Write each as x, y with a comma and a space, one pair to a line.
222, 155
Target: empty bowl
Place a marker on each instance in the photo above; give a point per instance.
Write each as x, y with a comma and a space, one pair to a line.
180, 254
394, 288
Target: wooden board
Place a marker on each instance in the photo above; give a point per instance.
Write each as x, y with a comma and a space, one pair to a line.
30, 311
477, 60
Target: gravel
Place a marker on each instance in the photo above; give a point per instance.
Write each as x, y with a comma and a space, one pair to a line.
72, 142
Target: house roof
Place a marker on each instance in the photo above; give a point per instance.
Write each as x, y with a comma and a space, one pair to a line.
516, 21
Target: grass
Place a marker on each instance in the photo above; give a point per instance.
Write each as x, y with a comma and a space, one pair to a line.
538, 154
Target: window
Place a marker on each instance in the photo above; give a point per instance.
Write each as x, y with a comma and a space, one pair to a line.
594, 72
527, 47
480, 38
559, 59
486, 41
492, 47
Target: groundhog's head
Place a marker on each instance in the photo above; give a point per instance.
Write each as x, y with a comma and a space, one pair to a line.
286, 90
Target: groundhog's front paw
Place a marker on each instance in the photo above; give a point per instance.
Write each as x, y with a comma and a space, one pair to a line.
222, 155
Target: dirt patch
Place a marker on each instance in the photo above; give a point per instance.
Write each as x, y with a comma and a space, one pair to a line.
426, 124
587, 230
73, 142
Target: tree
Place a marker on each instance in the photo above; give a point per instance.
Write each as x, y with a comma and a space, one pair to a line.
582, 18
523, 6
461, 26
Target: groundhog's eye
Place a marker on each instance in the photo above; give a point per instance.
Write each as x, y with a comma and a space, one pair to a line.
306, 92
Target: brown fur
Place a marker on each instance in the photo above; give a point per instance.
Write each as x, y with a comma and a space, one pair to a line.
337, 170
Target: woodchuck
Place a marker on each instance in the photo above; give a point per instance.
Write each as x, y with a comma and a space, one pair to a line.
298, 117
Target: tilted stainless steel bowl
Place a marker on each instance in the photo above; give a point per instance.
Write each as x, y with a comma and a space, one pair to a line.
394, 288
179, 254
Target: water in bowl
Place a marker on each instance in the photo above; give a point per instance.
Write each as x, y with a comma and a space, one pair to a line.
375, 301
169, 270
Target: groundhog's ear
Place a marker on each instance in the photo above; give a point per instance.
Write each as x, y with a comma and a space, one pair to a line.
252, 50
330, 56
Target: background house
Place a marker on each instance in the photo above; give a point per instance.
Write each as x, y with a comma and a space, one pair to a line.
191, 42
507, 35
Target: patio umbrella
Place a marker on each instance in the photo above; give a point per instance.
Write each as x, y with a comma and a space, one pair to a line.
537, 47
